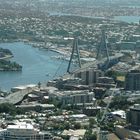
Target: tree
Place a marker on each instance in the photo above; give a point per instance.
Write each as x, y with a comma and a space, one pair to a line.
38, 108
39, 85
91, 122
77, 126
66, 137
10, 108
89, 135
120, 103
66, 126
92, 137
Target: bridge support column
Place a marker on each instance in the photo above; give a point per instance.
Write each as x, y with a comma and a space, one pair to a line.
74, 48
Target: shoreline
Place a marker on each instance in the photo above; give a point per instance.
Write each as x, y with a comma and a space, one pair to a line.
7, 85
6, 57
4, 68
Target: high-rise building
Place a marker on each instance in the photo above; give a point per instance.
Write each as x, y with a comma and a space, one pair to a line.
132, 80
133, 116
90, 76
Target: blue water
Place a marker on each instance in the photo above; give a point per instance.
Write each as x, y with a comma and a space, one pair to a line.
37, 64
128, 19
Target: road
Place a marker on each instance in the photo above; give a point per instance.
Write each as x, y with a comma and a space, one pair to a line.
96, 62
16, 97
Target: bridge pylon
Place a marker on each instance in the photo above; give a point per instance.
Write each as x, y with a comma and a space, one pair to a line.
75, 52
102, 50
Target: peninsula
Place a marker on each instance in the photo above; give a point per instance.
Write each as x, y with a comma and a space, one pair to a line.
5, 64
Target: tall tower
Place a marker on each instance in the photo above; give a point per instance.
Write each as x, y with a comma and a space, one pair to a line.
75, 52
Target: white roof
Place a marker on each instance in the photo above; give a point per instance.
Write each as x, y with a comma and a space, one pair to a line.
79, 115
24, 86
120, 113
79, 132
21, 125
74, 138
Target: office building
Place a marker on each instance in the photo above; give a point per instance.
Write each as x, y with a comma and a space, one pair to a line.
133, 116
89, 76
132, 80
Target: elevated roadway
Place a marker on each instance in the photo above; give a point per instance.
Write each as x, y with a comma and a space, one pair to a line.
92, 65
16, 97
96, 62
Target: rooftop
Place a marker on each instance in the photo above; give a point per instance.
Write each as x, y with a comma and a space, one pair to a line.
21, 125
136, 107
112, 137
79, 132
74, 92
24, 86
120, 113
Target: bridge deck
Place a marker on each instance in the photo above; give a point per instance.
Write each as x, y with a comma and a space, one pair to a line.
16, 97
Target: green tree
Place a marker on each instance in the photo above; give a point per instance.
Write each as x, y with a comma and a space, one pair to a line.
77, 126
66, 137
89, 135
10, 108
38, 108
120, 103
91, 122
39, 85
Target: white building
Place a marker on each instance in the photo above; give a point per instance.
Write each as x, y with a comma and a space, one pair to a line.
74, 97
23, 131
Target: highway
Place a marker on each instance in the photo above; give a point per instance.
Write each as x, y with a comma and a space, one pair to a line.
96, 62
16, 97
